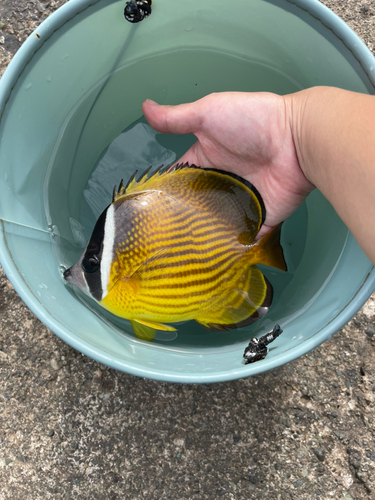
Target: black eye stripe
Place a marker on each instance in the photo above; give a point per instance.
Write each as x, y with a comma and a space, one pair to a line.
95, 246
93, 256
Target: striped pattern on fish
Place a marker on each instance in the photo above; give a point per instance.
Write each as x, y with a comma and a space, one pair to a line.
180, 245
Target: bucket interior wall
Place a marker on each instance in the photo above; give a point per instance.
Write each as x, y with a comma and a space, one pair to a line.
84, 87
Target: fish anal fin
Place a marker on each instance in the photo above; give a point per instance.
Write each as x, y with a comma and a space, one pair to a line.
243, 306
268, 251
203, 325
220, 328
214, 326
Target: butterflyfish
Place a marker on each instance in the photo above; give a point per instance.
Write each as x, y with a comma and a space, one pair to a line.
177, 245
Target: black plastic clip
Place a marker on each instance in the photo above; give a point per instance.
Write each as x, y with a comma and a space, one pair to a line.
137, 10
257, 348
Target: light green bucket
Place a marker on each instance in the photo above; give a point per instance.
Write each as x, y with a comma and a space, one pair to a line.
71, 128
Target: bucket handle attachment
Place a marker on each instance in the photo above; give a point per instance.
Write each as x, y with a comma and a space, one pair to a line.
137, 10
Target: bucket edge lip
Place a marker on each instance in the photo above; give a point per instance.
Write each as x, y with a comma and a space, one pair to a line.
35, 42
342, 30
7, 82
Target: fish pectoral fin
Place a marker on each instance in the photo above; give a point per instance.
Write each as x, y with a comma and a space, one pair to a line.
146, 330
151, 266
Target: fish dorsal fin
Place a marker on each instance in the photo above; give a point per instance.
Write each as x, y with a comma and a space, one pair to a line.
254, 192
135, 185
153, 182
123, 189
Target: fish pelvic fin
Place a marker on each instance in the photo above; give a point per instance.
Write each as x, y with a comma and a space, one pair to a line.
268, 251
146, 330
157, 326
143, 332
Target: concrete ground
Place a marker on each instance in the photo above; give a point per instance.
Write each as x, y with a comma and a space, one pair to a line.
72, 428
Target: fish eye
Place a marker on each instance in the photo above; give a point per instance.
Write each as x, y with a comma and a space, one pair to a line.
90, 264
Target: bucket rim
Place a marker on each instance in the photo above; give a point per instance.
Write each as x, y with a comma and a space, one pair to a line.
7, 83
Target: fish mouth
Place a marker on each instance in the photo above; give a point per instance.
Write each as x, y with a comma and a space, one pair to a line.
75, 276
68, 275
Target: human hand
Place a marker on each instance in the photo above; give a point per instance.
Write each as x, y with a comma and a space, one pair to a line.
248, 134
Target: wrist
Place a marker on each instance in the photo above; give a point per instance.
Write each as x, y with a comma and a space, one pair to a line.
296, 115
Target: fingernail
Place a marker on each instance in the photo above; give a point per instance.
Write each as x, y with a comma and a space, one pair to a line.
151, 103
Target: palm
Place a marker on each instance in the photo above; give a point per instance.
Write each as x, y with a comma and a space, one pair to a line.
247, 134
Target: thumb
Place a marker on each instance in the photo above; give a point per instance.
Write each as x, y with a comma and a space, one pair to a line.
181, 119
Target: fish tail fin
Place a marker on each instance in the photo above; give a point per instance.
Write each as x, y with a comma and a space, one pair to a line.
268, 251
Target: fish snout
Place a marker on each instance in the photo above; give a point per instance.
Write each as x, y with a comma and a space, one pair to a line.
68, 275
75, 276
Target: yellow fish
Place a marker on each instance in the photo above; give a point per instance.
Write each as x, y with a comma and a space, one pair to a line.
179, 245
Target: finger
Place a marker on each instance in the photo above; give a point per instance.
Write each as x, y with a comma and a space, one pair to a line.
181, 119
